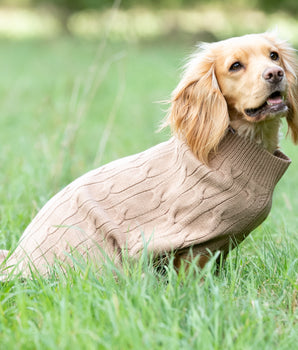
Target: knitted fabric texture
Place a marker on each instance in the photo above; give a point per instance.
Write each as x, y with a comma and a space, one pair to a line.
163, 198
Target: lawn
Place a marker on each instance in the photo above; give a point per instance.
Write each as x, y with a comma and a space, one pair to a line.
69, 105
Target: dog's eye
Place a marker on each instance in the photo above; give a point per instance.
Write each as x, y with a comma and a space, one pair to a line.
274, 56
235, 67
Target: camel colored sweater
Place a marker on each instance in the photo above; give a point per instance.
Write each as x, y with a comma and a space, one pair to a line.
163, 198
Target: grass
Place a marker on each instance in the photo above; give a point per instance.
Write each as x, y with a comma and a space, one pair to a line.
68, 106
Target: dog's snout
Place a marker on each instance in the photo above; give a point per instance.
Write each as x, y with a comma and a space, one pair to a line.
273, 75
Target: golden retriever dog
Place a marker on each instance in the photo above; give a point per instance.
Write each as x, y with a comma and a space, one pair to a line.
210, 184
247, 84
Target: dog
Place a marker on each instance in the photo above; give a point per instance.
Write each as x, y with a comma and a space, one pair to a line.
247, 83
202, 191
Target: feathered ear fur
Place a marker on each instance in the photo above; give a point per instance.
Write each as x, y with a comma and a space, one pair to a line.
289, 61
199, 112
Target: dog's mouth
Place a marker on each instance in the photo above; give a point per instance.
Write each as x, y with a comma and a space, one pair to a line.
275, 103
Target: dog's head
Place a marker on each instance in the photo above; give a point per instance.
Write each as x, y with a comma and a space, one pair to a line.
251, 78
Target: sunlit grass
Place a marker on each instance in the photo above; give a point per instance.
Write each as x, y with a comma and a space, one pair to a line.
206, 22
19, 23
213, 20
252, 304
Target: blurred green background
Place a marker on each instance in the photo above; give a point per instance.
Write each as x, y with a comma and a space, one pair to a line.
147, 19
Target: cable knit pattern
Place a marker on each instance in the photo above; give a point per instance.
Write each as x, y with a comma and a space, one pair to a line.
163, 197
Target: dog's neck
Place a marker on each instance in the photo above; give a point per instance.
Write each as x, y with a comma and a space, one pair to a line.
265, 133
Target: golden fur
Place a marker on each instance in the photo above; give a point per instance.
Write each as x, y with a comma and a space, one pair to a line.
230, 83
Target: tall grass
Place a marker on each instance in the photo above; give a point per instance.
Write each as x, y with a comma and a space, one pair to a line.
63, 114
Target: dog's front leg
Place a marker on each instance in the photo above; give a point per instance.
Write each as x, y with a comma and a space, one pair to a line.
183, 259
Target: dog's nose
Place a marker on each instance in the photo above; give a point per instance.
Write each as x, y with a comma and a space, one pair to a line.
273, 74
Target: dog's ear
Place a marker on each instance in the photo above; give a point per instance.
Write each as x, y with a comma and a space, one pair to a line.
289, 61
199, 112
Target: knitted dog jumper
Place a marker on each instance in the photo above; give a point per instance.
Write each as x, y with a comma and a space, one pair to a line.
163, 198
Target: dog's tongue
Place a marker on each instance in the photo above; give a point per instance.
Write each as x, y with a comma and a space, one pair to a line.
274, 100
